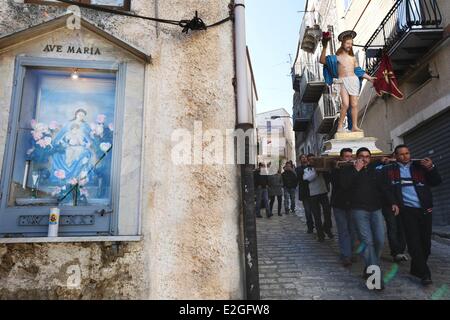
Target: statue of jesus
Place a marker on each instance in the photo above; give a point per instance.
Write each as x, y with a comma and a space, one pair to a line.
344, 67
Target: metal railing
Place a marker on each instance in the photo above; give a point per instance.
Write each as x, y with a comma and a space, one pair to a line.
404, 16
304, 111
312, 72
330, 106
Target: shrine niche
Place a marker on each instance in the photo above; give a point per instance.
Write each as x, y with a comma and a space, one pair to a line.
68, 139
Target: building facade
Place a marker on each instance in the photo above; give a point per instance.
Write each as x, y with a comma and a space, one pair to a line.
275, 137
415, 35
315, 105
92, 105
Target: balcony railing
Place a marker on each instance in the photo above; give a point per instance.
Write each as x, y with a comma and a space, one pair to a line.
302, 115
420, 17
296, 76
326, 113
310, 32
312, 83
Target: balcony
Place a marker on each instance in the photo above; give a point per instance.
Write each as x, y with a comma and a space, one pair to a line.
312, 83
326, 113
296, 78
409, 30
302, 116
310, 32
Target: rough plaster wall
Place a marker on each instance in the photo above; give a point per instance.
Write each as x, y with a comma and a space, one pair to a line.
16, 16
202, 237
190, 214
42, 271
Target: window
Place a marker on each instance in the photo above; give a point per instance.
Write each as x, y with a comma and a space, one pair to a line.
116, 4
61, 149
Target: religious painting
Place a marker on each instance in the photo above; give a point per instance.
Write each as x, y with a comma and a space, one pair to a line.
63, 153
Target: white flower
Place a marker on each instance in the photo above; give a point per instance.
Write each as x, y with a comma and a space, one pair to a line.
42, 127
99, 130
105, 146
53, 125
56, 191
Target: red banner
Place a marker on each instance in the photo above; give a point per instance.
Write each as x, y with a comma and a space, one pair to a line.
386, 81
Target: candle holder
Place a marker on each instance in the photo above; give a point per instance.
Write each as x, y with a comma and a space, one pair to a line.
35, 184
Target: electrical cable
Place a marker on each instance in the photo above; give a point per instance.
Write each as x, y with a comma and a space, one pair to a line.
195, 23
362, 14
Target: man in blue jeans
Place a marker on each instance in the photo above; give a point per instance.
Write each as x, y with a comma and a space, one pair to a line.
261, 181
340, 202
303, 192
366, 186
410, 182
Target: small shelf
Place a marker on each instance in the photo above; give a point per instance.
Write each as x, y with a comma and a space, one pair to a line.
71, 239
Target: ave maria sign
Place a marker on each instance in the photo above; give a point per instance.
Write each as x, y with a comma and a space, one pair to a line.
72, 49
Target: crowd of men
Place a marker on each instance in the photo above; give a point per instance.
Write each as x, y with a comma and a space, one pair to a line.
367, 198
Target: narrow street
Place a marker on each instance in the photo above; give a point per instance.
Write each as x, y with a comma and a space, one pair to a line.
294, 265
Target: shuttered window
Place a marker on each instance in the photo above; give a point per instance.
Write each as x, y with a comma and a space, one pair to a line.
432, 140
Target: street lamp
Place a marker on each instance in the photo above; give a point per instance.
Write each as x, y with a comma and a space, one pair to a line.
278, 117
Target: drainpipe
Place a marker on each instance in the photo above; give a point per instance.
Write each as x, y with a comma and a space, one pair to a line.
245, 122
243, 114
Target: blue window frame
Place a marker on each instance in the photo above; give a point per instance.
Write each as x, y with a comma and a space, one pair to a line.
63, 148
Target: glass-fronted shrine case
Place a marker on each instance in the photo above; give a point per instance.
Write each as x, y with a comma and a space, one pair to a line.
64, 139
60, 151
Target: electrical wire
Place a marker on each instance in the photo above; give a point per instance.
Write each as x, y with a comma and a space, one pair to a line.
195, 23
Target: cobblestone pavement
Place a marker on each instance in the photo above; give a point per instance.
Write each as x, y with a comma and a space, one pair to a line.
294, 265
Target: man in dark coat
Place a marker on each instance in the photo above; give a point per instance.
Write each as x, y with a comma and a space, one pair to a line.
290, 185
303, 192
261, 181
410, 183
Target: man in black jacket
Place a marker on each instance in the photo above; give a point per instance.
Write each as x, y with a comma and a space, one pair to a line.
365, 186
261, 181
340, 202
303, 192
410, 183
289, 185
395, 232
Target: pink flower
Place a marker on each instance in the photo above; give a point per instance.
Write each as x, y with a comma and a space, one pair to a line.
48, 141
33, 123
73, 181
41, 127
99, 130
83, 181
101, 118
60, 174
37, 135
41, 143
111, 127
56, 191
84, 192
53, 125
